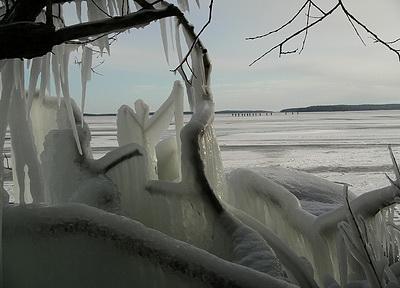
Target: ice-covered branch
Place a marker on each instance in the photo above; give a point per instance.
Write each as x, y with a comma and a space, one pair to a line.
26, 10
43, 37
196, 38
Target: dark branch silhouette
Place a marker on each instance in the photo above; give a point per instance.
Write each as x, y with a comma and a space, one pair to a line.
355, 23
17, 27
42, 37
280, 45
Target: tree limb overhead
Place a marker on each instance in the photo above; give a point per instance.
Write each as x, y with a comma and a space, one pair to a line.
28, 39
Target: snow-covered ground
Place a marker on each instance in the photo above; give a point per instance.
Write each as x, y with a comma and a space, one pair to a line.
347, 147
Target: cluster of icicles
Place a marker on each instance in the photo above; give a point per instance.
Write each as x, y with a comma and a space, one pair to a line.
157, 213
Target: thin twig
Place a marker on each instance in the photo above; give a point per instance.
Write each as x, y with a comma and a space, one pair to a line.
197, 36
101, 9
346, 190
392, 181
156, 2
294, 35
82, 42
355, 29
60, 19
313, 17
394, 41
282, 27
306, 33
318, 8
378, 39
353, 21
94, 68
191, 70
184, 76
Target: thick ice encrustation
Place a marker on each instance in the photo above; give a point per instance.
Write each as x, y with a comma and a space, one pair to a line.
97, 249
249, 231
316, 195
315, 238
137, 127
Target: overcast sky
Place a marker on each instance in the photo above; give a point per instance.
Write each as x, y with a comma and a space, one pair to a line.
334, 68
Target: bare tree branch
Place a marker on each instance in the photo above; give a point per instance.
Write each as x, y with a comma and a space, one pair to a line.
280, 45
394, 41
351, 18
356, 30
308, 23
377, 38
318, 8
282, 27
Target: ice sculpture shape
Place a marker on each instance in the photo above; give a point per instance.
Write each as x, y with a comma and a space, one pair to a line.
315, 238
255, 231
137, 127
108, 250
88, 181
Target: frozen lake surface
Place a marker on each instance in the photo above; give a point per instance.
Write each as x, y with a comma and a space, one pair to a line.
347, 147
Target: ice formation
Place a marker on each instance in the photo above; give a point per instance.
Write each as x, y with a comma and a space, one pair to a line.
137, 127
160, 212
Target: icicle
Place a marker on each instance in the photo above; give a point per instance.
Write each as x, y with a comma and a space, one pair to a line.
171, 31
78, 6
28, 63
395, 166
55, 66
86, 67
164, 38
138, 7
198, 80
33, 78
119, 3
114, 6
19, 78
178, 114
198, 3
110, 6
178, 41
45, 76
65, 90
107, 45
342, 259
27, 168
94, 13
183, 5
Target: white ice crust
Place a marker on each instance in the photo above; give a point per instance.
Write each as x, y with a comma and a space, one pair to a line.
155, 213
